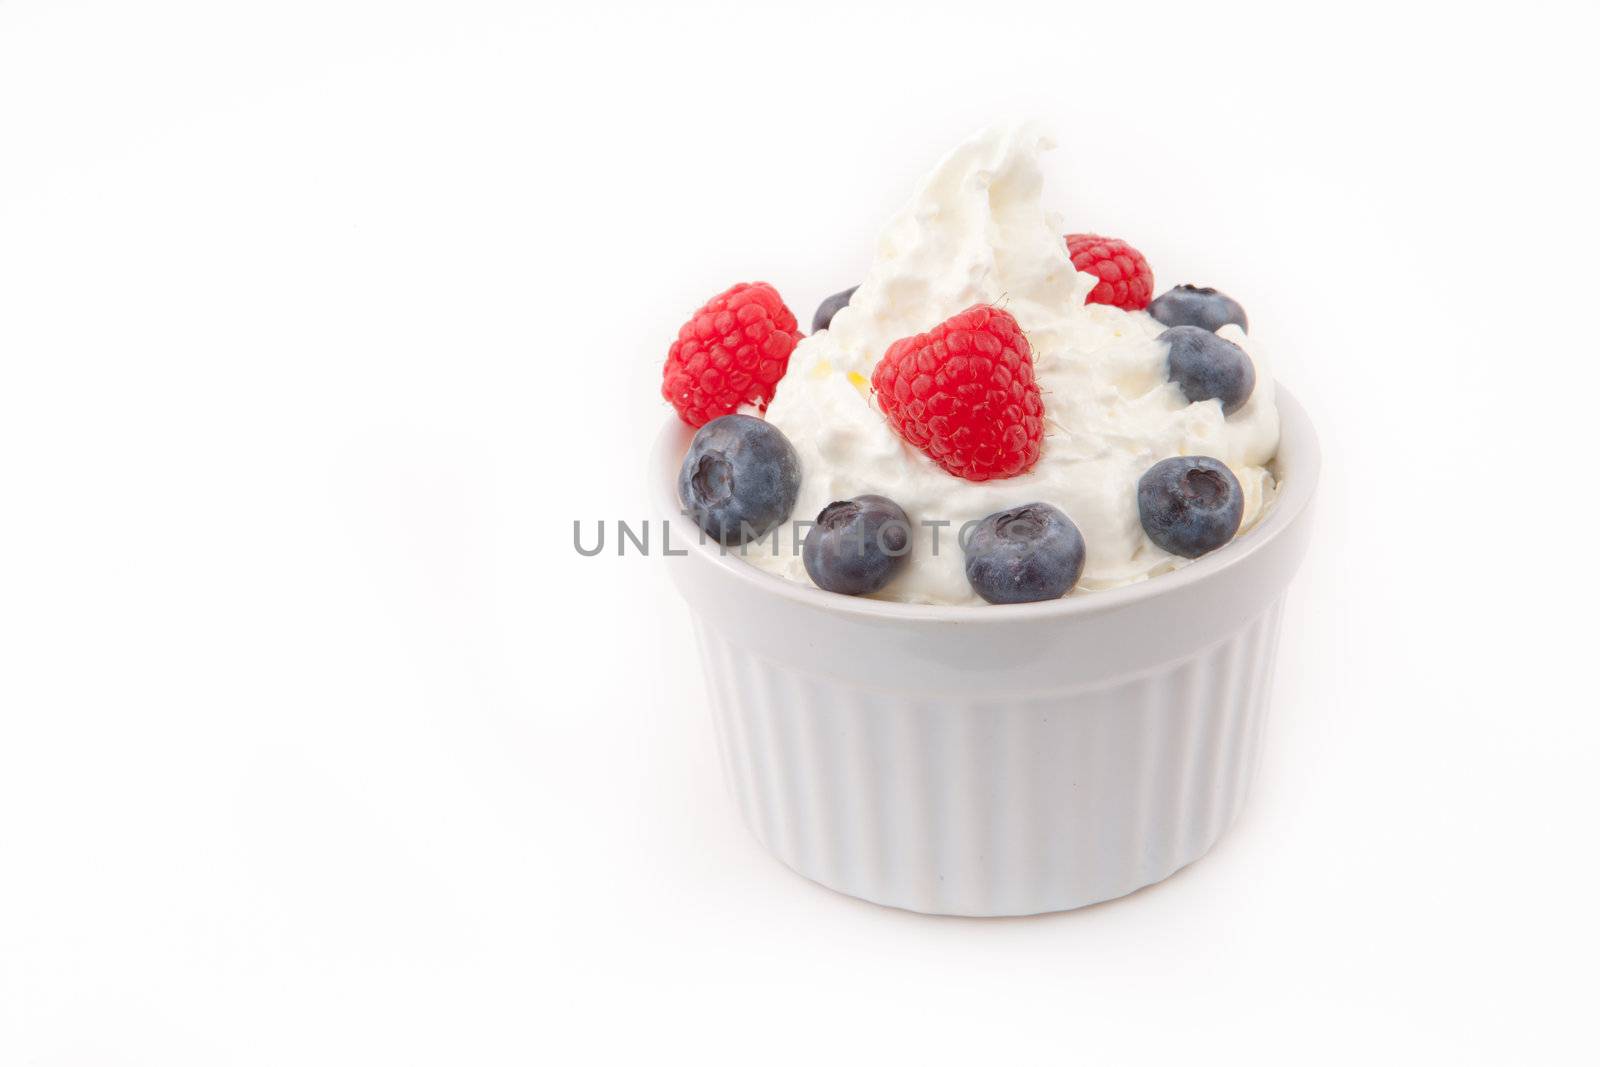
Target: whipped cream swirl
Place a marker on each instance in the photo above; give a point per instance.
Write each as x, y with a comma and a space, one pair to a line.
976, 231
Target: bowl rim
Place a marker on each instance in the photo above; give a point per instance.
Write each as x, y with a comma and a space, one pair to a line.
1297, 444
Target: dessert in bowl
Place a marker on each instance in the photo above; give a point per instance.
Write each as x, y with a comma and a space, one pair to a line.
986, 571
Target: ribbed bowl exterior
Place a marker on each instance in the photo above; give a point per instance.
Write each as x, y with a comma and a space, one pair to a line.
995, 760
974, 806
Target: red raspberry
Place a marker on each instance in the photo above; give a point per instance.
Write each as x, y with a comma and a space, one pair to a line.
731, 352
964, 393
1126, 280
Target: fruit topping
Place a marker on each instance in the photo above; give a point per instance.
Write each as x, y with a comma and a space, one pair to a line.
1033, 552
829, 308
1192, 305
857, 545
1190, 505
739, 478
730, 353
1126, 280
1207, 367
964, 393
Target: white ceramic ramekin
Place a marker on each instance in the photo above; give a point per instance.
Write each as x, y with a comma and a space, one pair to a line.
994, 760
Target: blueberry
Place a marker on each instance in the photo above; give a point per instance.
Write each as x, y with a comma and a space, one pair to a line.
1192, 305
1024, 554
830, 307
1206, 367
857, 545
1189, 505
739, 479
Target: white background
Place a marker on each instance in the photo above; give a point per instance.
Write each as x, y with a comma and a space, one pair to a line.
320, 323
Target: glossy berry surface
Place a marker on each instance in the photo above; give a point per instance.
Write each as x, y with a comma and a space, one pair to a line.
1020, 555
739, 478
730, 353
964, 393
829, 308
857, 545
1193, 305
1189, 505
1207, 367
1126, 280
